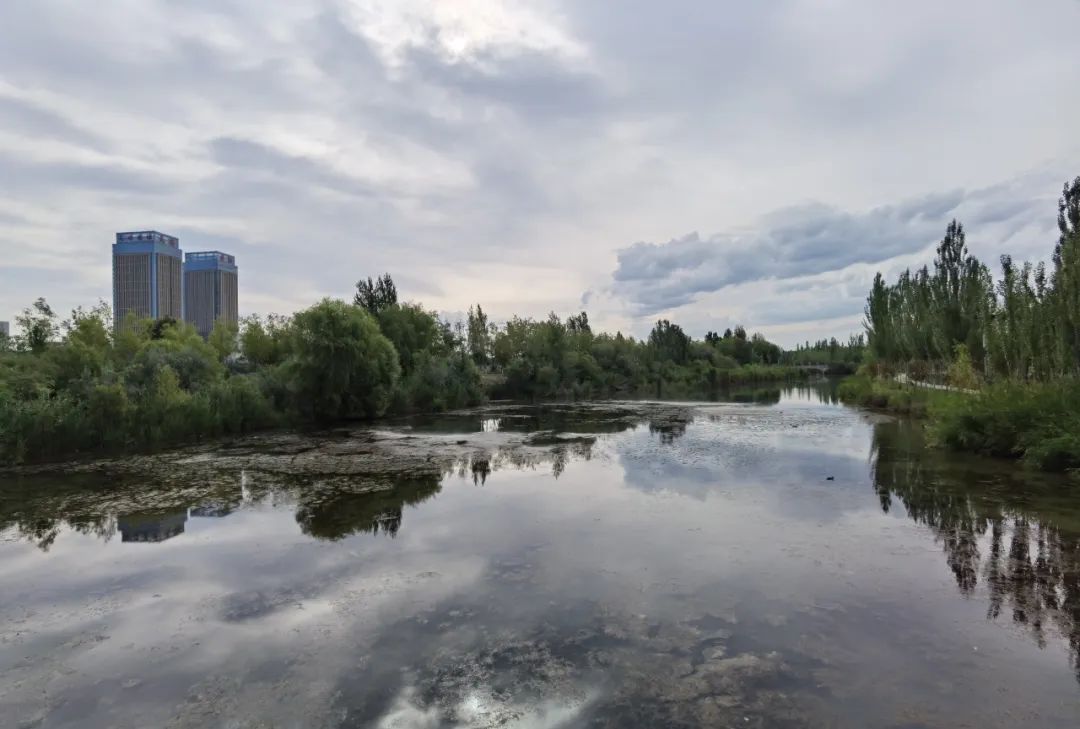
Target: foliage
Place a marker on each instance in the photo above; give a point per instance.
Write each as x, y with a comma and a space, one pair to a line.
479, 335
867, 391
265, 341
1038, 422
38, 324
342, 365
556, 358
414, 332
375, 295
961, 372
85, 386
1024, 326
224, 339
838, 357
1015, 340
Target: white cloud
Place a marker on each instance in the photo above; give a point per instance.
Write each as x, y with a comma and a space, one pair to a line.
510, 152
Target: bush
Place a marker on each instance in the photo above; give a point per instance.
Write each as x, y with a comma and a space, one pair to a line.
1038, 422
440, 383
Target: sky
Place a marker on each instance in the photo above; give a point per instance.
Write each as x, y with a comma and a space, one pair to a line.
712, 163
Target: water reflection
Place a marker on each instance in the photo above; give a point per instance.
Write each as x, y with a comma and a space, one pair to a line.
336, 513
151, 526
688, 565
996, 526
39, 509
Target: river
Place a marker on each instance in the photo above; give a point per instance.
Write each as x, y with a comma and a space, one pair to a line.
777, 561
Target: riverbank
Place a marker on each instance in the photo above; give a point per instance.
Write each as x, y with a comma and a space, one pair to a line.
110, 424
886, 395
86, 387
1037, 423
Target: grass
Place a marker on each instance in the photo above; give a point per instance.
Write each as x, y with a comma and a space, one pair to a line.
1036, 422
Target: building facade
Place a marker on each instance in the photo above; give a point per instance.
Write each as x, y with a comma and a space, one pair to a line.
147, 277
5, 329
210, 290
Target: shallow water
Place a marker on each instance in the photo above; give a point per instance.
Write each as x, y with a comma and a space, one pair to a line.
778, 562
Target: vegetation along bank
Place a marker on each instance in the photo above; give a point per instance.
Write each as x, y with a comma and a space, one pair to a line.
1007, 347
82, 387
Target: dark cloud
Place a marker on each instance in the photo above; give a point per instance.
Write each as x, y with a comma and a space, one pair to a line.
805, 241
31, 120
48, 176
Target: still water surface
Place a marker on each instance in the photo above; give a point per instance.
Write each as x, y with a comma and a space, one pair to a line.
778, 562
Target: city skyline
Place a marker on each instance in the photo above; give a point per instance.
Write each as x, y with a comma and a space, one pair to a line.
154, 278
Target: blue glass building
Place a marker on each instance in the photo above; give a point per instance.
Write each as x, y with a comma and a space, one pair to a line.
210, 290
147, 268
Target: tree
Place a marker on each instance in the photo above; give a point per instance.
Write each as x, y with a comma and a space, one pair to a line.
669, 343
341, 366
478, 339
1066, 275
38, 324
376, 295
83, 354
223, 338
413, 332
158, 327
265, 341
578, 324
877, 321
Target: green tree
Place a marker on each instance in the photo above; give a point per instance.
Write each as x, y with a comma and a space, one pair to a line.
341, 366
669, 343
477, 336
83, 355
376, 295
1066, 276
224, 338
265, 342
38, 324
413, 332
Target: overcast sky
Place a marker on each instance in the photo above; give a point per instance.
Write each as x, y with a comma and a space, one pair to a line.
708, 162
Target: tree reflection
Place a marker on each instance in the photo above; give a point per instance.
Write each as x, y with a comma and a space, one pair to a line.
668, 430
995, 526
335, 511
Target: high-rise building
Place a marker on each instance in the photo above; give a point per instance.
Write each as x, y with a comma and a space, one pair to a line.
5, 329
210, 289
147, 269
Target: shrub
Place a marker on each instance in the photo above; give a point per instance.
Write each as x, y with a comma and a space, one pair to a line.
1038, 422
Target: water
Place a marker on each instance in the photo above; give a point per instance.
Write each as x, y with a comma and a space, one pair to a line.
781, 561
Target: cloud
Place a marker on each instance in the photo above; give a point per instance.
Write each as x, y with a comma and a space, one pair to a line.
508, 153
795, 243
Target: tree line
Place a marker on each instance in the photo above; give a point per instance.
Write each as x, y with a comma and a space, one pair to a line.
1010, 346
82, 385
1025, 325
